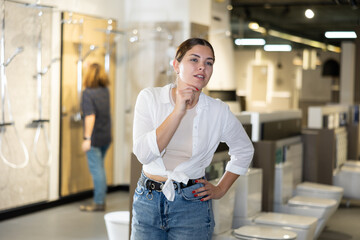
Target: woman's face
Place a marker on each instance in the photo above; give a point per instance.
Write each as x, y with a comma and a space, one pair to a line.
196, 67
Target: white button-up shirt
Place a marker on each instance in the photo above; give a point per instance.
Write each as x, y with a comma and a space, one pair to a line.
213, 123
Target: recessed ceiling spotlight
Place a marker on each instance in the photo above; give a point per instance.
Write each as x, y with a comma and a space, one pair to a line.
340, 34
249, 41
309, 13
277, 48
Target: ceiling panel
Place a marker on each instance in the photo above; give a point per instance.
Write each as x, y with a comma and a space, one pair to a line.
288, 16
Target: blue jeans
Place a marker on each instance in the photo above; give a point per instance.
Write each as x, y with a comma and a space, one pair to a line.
156, 218
95, 157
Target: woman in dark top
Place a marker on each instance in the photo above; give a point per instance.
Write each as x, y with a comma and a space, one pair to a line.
95, 107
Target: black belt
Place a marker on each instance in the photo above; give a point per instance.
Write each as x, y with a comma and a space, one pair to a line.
157, 186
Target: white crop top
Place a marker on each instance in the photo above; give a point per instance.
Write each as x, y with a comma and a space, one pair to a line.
179, 149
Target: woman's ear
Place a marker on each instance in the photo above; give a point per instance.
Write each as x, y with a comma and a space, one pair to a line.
176, 66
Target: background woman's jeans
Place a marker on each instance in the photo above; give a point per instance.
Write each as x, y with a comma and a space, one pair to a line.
95, 157
156, 218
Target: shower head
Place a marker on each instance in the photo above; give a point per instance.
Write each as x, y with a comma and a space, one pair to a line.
19, 50
91, 48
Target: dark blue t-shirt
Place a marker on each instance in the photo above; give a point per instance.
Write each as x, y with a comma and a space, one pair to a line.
97, 101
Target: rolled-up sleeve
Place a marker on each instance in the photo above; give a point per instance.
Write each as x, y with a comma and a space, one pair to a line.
144, 131
241, 148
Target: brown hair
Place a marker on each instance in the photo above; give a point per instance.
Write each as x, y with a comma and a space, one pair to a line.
189, 44
96, 77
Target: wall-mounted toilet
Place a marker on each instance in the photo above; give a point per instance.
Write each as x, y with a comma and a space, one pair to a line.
248, 209
284, 202
253, 232
293, 153
318, 190
223, 214
348, 177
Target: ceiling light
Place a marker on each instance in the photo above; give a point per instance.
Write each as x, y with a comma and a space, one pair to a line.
277, 48
298, 39
253, 25
340, 34
249, 41
309, 13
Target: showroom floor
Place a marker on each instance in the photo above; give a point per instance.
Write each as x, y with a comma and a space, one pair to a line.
67, 222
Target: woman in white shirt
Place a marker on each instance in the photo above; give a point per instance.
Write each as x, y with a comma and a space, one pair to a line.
177, 129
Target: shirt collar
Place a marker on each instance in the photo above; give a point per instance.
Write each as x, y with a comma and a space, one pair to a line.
165, 96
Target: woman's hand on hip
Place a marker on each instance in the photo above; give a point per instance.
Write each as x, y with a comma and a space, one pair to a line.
208, 191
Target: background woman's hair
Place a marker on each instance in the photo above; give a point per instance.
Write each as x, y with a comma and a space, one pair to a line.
96, 77
190, 43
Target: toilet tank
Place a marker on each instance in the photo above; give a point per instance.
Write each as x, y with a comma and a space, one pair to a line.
223, 210
248, 194
283, 188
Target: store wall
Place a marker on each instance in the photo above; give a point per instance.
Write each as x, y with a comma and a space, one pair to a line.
289, 85
31, 189
221, 40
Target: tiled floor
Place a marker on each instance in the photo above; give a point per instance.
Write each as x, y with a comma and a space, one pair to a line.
344, 224
64, 222
68, 223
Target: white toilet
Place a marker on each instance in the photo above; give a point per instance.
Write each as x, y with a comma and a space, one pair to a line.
318, 190
254, 232
223, 214
248, 209
284, 202
293, 153
348, 177
117, 224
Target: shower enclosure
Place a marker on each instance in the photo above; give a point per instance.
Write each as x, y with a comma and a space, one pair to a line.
82, 44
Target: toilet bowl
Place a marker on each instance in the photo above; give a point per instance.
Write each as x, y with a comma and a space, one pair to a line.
117, 224
284, 202
223, 210
318, 190
257, 233
303, 226
248, 209
348, 178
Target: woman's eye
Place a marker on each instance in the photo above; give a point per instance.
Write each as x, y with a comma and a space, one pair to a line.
193, 60
210, 63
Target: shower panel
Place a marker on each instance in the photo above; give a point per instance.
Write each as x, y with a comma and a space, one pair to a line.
20, 181
4, 124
